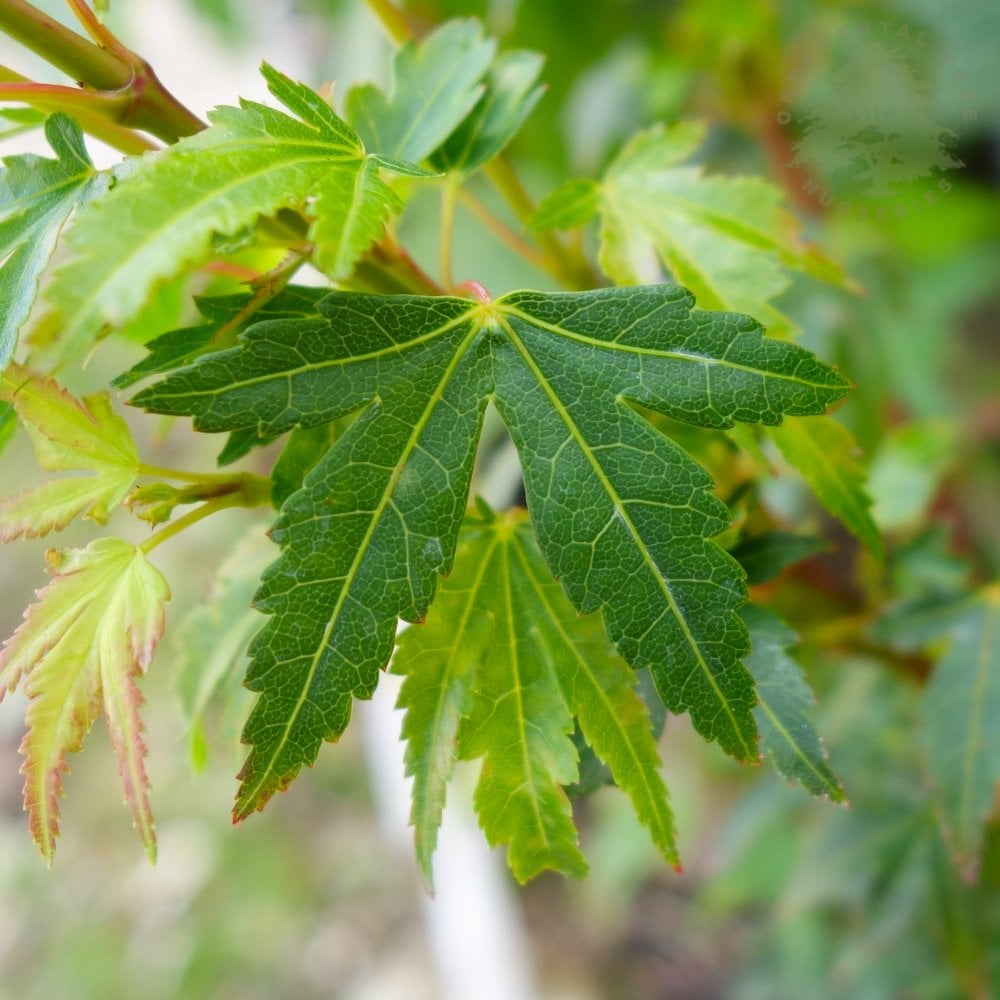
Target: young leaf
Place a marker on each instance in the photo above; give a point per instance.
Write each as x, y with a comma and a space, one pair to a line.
67, 435
575, 203
599, 689
623, 516
787, 737
162, 214
823, 452
724, 238
960, 711
441, 662
37, 196
520, 725
510, 96
80, 647
435, 84
499, 582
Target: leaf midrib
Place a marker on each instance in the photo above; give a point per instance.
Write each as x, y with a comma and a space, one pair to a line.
653, 352
833, 791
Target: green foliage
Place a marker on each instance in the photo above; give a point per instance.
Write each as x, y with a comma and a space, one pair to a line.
724, 238
436, 84
787, 737
824, 452
653, 424
961, 739
67, 435
163, 211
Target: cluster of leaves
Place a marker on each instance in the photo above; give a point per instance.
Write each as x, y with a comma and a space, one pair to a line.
541, 622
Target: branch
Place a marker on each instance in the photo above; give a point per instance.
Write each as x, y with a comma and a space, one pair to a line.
110, 68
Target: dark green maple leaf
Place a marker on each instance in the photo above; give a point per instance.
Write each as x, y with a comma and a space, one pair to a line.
623, 516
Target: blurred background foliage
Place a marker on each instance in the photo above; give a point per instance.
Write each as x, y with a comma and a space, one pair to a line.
782, 896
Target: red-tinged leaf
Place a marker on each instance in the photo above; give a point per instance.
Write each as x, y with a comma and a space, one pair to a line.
92, 631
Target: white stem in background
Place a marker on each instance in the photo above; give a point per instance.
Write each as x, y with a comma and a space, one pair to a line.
474, 927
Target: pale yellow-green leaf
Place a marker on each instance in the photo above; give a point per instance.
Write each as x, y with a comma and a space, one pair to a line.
68, 435
80, 647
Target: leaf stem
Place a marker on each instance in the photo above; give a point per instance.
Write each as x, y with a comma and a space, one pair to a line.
62, 47
192, 517
392, 261
161, 472
449, 202
248, 491
501, 230
110, 67
572, 269
97, 31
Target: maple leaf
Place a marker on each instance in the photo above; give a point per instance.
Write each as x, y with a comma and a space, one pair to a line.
436, 82
623, 516
499, 670
727, 239
67, 435
161, 215
80, 648
37, 196
787, 737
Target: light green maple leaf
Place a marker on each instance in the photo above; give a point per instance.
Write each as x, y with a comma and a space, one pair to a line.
960, 710
37, 196
500, 669
436, 82
67, 435
787, 736
161, 216
623, 516
80, 648
727, 239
